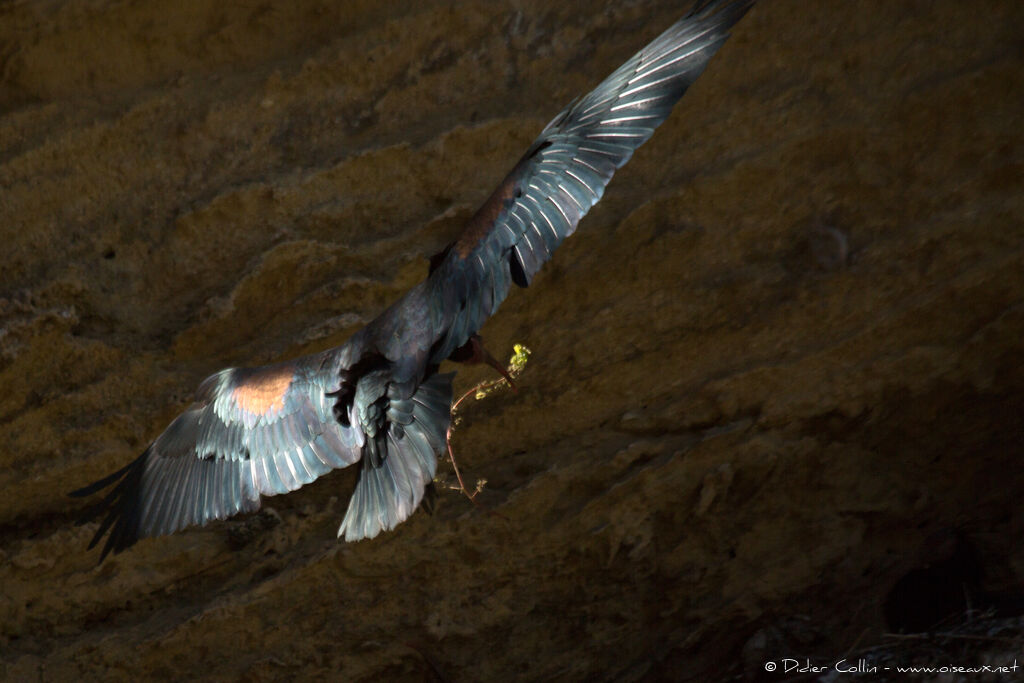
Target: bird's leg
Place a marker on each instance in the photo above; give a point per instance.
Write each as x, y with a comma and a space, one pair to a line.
474, 353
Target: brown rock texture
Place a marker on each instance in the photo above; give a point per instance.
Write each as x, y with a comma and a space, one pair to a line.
777, 369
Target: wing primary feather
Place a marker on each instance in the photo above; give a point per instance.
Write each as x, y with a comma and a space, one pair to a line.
305, 467
194, 494
199, 502
576, 207
277, 474
231, 484
240, 481
180, 498
614, 133
318, 451
270, 484
584, 162
636, 103
583, 182
222, 490
560, 210
288, 470
326, 452
211, 501
188, 494
175, 495
157, 494
149, 486
295, 465
625, 119
171, 497
661, 61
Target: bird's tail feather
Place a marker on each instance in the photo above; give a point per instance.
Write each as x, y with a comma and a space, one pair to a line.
389, 492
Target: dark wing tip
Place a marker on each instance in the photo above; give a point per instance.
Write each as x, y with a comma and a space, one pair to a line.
101, 484
120, 508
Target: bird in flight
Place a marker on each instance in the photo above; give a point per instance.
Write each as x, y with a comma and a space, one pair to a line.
378, 400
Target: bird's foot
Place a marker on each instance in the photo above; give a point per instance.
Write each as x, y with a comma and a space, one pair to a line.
492, 361
474, 353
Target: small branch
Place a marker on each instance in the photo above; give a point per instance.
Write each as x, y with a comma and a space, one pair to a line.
480, 391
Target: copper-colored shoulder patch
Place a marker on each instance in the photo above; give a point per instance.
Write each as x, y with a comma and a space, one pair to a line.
261, 391
483, 220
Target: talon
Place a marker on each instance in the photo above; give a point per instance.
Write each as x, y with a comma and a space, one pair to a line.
473, 353
490, 360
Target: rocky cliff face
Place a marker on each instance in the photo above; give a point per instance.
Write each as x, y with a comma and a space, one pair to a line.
777, 370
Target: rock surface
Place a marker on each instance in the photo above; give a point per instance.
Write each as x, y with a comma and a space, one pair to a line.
781, 355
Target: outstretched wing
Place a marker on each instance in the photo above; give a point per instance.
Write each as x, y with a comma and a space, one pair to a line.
251, 432
565, 171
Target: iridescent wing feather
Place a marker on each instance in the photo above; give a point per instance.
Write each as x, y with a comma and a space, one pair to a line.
250, 432
565, 171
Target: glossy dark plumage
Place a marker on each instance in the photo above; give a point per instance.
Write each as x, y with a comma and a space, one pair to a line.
378, 399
